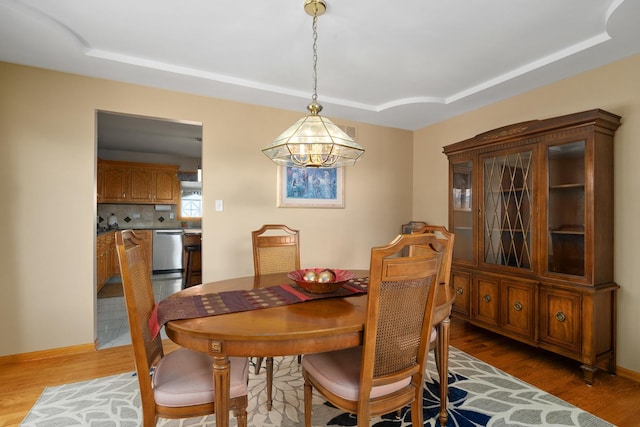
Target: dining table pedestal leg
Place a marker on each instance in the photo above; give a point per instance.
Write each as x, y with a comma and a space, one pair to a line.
222, 386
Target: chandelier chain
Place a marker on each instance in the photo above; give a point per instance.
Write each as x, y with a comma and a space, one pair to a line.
314, 141
314, 26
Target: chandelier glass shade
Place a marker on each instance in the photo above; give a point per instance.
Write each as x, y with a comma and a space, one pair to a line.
314, 141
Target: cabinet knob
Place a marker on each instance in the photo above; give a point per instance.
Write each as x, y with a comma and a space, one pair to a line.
486, 298
517, 306
561, 317
459, 291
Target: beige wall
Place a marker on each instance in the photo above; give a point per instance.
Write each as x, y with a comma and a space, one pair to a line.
47, 181
47, 176
615, 88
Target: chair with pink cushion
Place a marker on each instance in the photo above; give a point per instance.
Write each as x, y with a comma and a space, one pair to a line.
445, 297
276, 249
387, 372
178, 384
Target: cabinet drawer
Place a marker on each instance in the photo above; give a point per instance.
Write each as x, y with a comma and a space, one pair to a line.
560, 318
485, 300
519, 308
461, 283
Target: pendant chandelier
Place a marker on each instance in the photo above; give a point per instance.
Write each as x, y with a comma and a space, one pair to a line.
314, 141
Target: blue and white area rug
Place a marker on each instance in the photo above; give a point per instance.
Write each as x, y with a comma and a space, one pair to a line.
479, 395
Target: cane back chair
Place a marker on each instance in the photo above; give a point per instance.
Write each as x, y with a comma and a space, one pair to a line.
178, 384
445, 297
276, 249
387, 372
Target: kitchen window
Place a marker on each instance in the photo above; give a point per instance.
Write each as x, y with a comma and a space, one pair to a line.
190, 199
191, 205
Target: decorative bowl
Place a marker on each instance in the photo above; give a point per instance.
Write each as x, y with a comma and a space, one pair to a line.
320, 280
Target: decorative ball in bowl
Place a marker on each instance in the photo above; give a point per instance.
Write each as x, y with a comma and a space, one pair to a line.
320, 280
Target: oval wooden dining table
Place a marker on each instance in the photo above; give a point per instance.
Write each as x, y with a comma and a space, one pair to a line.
302, 328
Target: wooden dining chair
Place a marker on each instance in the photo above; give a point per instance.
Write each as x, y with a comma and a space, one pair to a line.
178, 384
276, 249
445, 297
387, 372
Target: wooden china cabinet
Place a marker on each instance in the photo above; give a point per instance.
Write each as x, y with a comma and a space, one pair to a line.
531, 206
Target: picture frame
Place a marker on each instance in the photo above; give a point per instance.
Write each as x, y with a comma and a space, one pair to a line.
310, 187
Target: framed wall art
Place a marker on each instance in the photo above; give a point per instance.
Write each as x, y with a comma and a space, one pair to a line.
310, 187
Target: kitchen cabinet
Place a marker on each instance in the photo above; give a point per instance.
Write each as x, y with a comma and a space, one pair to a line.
166, 187
100, 280
107, 264
530, 206
106, 258
139, 183
115, 270
113, 185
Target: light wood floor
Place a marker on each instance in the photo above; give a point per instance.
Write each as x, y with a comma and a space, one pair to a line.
612, 398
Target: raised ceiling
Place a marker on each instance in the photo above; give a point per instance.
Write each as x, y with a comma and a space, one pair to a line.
404, 64
130, 133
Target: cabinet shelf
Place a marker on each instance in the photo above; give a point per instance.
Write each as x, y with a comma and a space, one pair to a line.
572, 232
566, 187
567, 229
506, 190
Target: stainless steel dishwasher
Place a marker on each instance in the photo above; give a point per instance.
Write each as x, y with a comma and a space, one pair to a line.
167, 250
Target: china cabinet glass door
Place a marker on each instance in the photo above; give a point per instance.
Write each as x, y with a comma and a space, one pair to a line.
507, 214
462, 220
566, 208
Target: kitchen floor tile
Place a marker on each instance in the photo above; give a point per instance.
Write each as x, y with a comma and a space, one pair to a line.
112, 324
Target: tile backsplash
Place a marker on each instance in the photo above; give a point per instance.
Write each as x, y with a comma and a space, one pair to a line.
140, 216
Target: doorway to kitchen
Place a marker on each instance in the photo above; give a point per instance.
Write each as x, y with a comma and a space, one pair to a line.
142, 154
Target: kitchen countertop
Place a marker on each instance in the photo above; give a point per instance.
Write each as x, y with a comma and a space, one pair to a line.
102, 230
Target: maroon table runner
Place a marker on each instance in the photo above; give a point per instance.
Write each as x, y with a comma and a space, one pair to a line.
176, 308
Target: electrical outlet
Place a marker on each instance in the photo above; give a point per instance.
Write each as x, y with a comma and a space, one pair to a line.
172, 215
219, 206
135, 216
